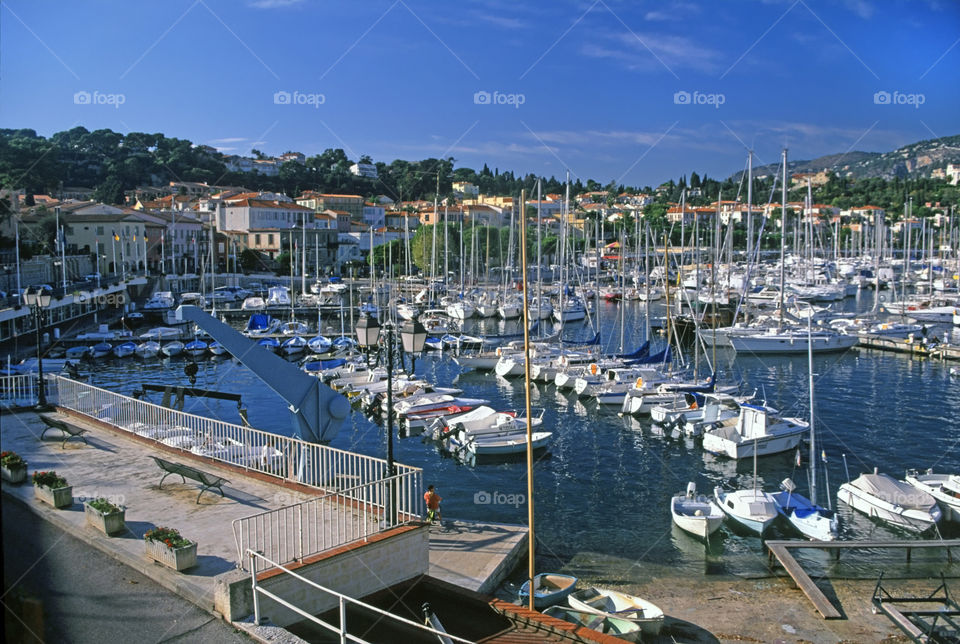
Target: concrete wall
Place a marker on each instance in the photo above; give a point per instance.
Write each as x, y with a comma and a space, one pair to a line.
356, 572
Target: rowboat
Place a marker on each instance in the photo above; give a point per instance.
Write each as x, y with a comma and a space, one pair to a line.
697, 515
549, 588
620, 628
514, 442
610, 603
171, 349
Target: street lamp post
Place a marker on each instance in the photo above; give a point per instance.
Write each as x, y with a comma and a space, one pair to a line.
38, 300
413, 336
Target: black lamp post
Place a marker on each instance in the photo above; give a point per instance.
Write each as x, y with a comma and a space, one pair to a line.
38, 300
414, 336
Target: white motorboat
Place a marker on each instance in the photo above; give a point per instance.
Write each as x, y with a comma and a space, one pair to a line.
171, 349
253, 303
294, 328
611, 603
697, 515
758, 429
895, 502
792, 341
461, 310
148, 349
945, 488
502, 444
278, 296
752, 508
159, 301
160, 333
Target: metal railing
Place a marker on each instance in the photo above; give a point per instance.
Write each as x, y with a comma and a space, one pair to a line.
354, 487
20, 390
311, 527
341, 628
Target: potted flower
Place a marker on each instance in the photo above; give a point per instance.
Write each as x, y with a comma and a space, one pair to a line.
105, 516
52, 488
12, 467
167, 546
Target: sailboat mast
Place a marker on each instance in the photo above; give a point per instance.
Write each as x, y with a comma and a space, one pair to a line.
813, 446
783, 233
531, 541
749, 204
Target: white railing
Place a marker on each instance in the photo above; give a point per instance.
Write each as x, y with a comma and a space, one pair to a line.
350, 484
20, 390
341, 627
311, 527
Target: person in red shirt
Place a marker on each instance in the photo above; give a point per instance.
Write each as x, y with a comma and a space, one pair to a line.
432, 500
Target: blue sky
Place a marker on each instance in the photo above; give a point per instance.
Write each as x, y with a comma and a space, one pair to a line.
639, 92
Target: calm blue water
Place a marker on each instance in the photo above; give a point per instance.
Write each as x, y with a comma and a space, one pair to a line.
602, 491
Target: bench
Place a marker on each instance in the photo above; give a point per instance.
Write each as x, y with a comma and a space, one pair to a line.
69, 431
208, 481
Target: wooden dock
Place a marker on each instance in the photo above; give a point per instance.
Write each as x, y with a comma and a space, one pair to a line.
781, 550
939, 351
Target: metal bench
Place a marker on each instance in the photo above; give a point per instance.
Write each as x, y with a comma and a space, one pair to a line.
69, 431
208, 481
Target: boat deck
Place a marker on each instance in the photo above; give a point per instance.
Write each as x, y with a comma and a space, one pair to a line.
781, 550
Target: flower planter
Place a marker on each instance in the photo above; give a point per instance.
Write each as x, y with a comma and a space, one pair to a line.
106, 522
61, 497
176, 558
13, 475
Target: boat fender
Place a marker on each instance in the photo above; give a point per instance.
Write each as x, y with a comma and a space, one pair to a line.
593, 368
639, 383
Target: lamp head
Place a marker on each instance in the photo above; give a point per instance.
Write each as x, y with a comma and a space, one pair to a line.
414, 336
368, 331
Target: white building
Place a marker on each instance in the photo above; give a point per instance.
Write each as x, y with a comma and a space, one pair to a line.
246, 214
367, 170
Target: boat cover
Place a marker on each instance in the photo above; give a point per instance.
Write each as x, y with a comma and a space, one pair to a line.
894, 492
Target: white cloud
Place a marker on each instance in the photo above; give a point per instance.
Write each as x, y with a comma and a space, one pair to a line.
646, 51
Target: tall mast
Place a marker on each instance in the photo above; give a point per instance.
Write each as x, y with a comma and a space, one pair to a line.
783, 233
749, 204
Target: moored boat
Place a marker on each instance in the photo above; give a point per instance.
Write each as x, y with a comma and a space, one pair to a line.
695, 514
945, 488
171, 349
752, 508
548, 589
612, 603
897, 503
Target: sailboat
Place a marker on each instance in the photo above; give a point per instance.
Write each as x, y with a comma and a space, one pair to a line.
808, 518
752, 508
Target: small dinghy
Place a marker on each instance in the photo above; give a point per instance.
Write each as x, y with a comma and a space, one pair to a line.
620, 628
196, 348
320, 344
148, 349
270, 344
217, 349
696, 515
549, 588
611, 603
101, 350
504, 444
172, 349
124, 349
293, 345
77, 353
753, 509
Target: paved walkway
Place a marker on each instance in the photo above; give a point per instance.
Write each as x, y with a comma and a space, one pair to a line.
469, 554
119, 468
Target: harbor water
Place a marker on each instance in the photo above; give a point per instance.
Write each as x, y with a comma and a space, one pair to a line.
603, 487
